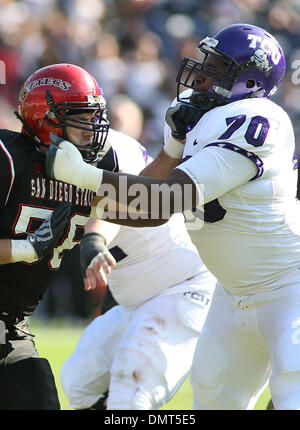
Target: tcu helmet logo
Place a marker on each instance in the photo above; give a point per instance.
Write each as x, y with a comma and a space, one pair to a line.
261, 60
266, 45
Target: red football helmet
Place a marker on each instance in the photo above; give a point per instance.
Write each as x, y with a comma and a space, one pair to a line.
53, 94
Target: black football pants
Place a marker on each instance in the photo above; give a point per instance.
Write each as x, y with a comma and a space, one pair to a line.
26, 380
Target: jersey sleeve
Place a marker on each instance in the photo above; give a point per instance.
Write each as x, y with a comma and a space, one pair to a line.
7, 174
215, 171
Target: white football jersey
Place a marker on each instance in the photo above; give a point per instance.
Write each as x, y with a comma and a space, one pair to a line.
150, 260
251, 238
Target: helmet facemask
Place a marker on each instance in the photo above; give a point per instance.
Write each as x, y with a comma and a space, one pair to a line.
220, 88
61, 115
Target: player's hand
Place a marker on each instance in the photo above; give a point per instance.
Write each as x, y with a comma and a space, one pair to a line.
100, 266
178, 117
96, 261
46, 237
65, 163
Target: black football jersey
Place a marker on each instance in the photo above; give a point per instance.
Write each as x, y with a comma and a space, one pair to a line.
27, 197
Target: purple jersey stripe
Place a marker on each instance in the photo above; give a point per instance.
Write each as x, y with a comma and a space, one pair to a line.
145, 154
117, 253
253, 157
295, 160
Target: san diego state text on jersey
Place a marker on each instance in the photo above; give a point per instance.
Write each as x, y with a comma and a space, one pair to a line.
27, 197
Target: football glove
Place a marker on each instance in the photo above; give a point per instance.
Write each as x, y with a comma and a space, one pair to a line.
46, 237
180, 116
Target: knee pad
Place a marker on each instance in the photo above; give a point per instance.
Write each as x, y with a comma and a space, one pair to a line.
285, 377
207, 377
127, 395
285, 390
287, 353
136, 383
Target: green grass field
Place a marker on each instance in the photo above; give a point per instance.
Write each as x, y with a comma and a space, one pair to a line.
56, 340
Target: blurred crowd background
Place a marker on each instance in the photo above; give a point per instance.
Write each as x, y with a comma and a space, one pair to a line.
133, 48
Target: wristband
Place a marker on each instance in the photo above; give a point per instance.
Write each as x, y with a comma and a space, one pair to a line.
174, 148
22, 250
90, 246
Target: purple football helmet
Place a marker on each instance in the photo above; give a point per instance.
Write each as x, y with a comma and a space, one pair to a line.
253, 66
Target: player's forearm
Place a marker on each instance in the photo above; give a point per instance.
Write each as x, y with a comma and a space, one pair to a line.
161, 166
5, 251
122, 196
140, 201
12, 251
105, 229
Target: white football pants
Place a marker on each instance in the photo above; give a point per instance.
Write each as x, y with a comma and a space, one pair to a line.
142, 357
246, 340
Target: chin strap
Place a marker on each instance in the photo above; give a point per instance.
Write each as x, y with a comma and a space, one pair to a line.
29, 130
255, 94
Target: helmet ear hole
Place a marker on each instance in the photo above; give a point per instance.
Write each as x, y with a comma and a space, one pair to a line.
250, 83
